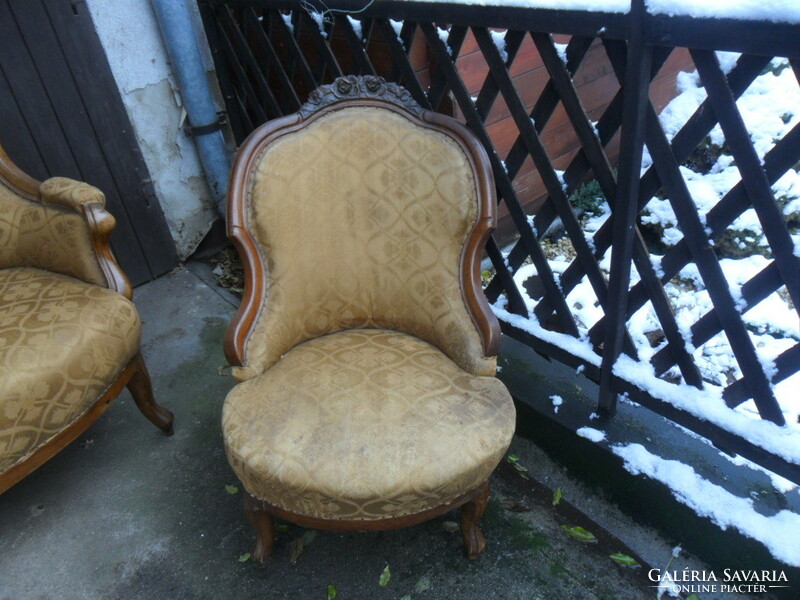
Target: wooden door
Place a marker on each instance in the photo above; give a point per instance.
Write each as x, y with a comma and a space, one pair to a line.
61, 114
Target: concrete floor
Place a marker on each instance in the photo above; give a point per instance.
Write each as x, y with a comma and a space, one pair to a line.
127, 513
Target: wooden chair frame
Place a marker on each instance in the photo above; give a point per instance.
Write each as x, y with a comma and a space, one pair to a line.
99, 224
352, 91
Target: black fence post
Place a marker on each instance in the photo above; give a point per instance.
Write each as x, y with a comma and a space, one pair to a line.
635, 96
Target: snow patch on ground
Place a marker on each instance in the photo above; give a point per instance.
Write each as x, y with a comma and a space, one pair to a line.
531, 325
592, 434
781, 484
778, 532
709, 405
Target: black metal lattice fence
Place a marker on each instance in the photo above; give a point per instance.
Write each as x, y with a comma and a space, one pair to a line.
270, 53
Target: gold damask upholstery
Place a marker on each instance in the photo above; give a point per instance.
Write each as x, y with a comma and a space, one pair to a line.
47, 234
62, 343
378, 256
365, 424
69, 334
364, 347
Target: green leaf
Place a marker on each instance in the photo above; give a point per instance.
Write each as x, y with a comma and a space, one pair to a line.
386, 575
515, 505
331, 591
557, 496
231, 489
624, 559
308, 536
450, 526
244, 557
282, 527
406, 597
423, 584
579, 533
693, 597
512, 458
295, 549
521, 471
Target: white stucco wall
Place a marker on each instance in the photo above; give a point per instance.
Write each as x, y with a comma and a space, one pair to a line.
130, 35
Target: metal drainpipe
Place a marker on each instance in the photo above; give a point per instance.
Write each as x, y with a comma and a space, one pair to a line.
178, 33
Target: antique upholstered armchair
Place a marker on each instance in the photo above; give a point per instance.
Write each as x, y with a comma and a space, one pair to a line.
364, 346
69, 334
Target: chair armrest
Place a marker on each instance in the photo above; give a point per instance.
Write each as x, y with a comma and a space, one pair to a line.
70, 193
89, 202
60, 225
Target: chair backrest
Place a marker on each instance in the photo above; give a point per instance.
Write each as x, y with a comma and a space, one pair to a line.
362, 210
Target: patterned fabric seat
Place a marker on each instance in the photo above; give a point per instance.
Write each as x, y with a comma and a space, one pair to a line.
63, 342
366, 424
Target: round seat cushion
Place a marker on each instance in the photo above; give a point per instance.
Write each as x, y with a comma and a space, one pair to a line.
63, 342
365, 424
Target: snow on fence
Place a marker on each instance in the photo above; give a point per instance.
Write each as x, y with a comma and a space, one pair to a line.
670, 275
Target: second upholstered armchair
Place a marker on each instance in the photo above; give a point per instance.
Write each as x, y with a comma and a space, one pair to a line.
69, 334
364, 346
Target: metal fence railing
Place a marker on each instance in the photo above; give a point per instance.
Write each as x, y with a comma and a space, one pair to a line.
270, 53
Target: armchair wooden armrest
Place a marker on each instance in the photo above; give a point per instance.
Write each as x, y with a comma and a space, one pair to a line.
59, 225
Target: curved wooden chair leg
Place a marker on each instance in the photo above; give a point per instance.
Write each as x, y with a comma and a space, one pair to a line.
471, 514
264, 526
141, 389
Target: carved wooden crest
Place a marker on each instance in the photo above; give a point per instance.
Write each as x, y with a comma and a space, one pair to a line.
357, 86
